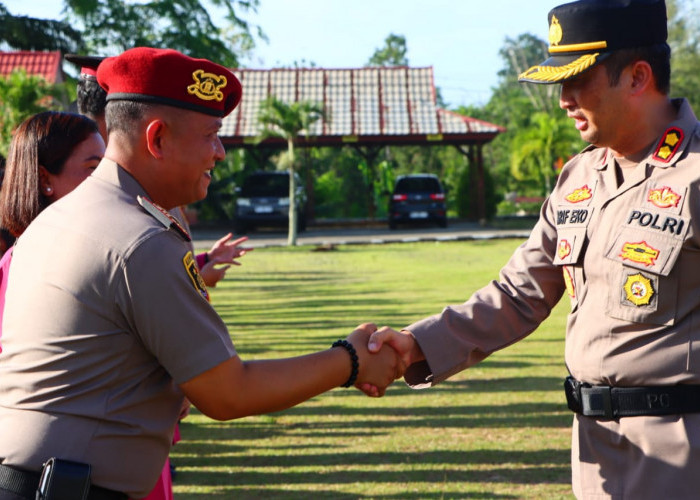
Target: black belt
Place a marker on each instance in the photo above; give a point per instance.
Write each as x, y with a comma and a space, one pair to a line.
24, 483
605, 402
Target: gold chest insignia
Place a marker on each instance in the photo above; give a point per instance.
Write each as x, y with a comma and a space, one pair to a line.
639, 289
207, 86
641, 253
578, 195
564, 249
569, 281
664, 197
193, 272
669, 144
555, 32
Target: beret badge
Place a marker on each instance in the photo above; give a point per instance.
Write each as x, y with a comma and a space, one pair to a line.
207, 86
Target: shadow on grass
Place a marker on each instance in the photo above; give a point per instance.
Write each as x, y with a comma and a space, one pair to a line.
549, 466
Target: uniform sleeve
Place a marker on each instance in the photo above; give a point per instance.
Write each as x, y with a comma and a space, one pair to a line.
166, 305
496, 316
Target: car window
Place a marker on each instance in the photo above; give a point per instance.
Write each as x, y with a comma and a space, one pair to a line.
266, 185
418, 185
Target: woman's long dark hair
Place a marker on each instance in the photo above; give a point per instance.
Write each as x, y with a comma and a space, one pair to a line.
46, 139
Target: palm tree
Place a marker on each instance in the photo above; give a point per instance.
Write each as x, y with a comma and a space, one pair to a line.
288, 121
537, 148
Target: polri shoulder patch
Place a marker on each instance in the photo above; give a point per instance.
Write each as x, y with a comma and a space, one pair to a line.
193, 272
163, 217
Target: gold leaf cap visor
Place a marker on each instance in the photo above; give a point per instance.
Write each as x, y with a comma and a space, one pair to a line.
585, 32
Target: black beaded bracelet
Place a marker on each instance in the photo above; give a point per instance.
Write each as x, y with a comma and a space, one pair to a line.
353, 360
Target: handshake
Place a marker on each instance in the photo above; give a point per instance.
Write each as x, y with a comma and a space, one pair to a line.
383, 356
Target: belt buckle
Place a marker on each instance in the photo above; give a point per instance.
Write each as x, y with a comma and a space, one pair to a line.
597, 401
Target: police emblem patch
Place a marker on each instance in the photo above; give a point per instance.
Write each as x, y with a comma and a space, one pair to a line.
669, 144
207, 86
640, 252
578, 195
664, 197
639, 289
193, 272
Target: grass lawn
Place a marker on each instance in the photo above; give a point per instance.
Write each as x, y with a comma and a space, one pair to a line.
499, 430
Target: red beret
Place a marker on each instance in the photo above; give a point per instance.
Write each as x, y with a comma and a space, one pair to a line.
165, 76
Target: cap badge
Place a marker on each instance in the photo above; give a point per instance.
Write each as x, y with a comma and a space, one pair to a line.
638, 289
555, 32
207, 86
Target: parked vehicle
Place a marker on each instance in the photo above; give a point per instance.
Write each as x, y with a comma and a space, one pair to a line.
417, 198
263, 200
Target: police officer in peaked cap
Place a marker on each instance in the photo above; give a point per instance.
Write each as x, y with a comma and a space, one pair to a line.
618, 240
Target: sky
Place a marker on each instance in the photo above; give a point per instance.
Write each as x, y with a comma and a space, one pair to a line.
460, 39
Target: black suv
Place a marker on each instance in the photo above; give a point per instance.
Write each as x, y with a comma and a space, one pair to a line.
263, 200
417, 198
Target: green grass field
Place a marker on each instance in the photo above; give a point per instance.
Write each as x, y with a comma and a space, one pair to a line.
499, 430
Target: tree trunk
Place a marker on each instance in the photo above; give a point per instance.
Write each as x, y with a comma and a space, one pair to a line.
292, 237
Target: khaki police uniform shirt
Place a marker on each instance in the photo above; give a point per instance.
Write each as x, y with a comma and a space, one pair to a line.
104, 317
628, 259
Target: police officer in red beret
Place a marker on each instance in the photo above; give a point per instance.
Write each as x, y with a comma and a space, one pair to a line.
618, 238
107, 321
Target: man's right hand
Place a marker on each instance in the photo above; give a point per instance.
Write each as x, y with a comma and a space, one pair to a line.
403, 342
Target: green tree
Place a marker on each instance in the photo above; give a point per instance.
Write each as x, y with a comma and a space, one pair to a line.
28, 33
684, 39
392, 54
23, 95
289, 121
537, 148
184, 25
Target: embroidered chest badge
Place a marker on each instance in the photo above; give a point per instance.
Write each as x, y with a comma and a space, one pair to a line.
641, 253
578, 195
564, 249
669, 144
207, 86
639, 289
569, 282
193, 272
664, 197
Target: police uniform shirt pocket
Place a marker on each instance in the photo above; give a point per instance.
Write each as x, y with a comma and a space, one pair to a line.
645, 289
570, 243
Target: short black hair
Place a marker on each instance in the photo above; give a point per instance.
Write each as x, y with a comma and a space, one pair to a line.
658, 56
92, 99
124, 115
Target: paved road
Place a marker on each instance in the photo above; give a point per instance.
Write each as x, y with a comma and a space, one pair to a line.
370, 234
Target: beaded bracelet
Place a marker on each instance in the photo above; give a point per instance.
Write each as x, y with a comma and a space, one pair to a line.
353, 360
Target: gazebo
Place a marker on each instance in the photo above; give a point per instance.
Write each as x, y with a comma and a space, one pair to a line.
367, 108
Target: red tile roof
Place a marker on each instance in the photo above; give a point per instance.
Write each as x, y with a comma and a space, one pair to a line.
46, 64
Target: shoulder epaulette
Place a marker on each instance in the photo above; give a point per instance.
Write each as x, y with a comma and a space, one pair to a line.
163, 217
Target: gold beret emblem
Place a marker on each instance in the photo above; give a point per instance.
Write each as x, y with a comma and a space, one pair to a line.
555, 32
207, 86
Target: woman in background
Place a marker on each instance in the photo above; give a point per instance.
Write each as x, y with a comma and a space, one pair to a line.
50, 154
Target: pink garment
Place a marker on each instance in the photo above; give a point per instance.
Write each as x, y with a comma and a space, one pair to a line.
4, 270
163, 490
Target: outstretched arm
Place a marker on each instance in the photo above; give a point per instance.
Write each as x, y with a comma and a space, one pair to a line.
236, 388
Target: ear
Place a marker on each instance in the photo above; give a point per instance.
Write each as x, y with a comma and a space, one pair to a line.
45, 182
155, 138
642, 77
